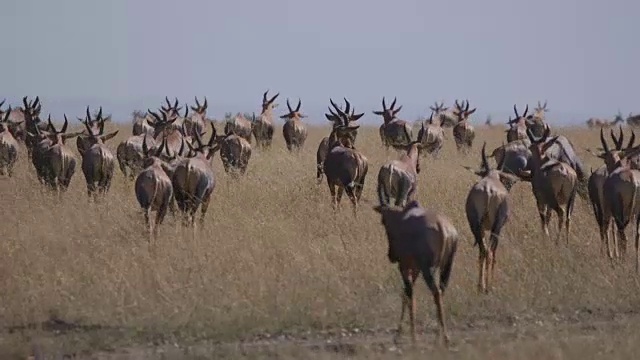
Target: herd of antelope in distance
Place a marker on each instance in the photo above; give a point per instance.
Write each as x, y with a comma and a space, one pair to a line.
169, 161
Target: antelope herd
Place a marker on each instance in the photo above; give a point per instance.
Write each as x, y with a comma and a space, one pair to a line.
170, 162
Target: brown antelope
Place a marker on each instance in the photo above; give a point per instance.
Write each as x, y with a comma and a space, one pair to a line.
346, 138
399, 178
130, 154
294, 130
518, 126
194, 181
262, 127
82, 141
431, 136
235, 152
197, 121
169, 127
142, 124
8, 144
442, 114
553, 182
537, 123
393, 131
487, 209
153, 187
421, 241
345, 167
240, 126
98, 162
30, 115
463, 132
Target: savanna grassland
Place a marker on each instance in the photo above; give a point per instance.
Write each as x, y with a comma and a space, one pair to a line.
275, 273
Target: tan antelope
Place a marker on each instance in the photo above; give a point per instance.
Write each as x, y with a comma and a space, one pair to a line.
82, 141
142, 123
197, 121
487, 209
344, 166
346, 138
553, 182
235, 153
443, 115
130, 153
98, 162
262, 127
8, 144
518, 127
539, 117
153, 187
169, 126
431, 136
30, 117
194, 181
398, 179
240, 126
394, 132
463, 132
420, 241
294, 130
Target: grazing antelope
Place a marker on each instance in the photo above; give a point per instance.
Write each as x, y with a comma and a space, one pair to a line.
197, 121
463, 132
394, 132
82, 141
294, 130
399, 178
193, 179
487, 209
345, 167
431, 136
554, 184
8, 144
235, 152
445, 117
97, 161
262, 127
240, 126
153, 187
518, 127
421, 241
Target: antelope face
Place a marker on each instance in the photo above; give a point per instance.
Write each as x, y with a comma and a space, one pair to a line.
462, 112
388, 114
200, 109
294, 114
268, 104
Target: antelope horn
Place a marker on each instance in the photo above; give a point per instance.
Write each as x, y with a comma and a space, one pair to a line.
393, 104
384, 105
289, 106
299, 104
66, 123
603, 141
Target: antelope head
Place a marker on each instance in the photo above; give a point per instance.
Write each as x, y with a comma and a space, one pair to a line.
200, 109
438, 108
268, 105
520, 120
294, 114
199, 148
462, 112
388, 114
614, 157
161, 123
172, 110
6, 124
540, 110
343, 131
97, 136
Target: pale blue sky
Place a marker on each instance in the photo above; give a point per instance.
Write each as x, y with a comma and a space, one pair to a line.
580, 55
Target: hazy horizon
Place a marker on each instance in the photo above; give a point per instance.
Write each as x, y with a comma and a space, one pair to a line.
579, 56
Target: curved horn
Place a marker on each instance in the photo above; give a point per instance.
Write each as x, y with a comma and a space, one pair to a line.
175, 104
384, 105
212, 139
299, 104
289, 106
603, 141
166, 98
197, 102
485, 163
393, 104
347, 106
206, 103
632, 140
66, 123
264, 97
88, 114
515, 110
340, 113
145, 148
526, 110
274, 98
616, 140
99, 117
51, 124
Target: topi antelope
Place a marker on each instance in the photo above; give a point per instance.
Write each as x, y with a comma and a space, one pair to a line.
518, 126
193, 179
294, 130
345, 167
153, 187
30, 115
554, 184
443, 115
240, 126
142, 124
463, 132
262, 127
98, 162
420, 241
487, 209
431, 136
82, 141
197, 121
8, 144
169, 127
130, 154
235, 152
399, 178
394, 132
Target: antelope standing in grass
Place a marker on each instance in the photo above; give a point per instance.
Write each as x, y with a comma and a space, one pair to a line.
30, 115
431, 136
463, 132
487, 209
443, 115
235, 153
537, 123
420, 241
153, 187
294, 130
262, 127
169, 128
142, 123
345, 167
130, 154
518, 127
8, 144
197, 121
82, 141
98, 162
398, 179
194, 181
554, 184
394, 132
240, 126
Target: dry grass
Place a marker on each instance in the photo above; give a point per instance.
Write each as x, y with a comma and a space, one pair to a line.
271, 257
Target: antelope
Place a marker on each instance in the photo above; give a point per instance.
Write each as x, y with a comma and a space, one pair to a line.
30, 115
130, 153
598, 123
142, 124
445, 117
193, 179
432, 136
463, 132
169, 127
153, 187
554, 184
345, 167
197, 121
262, 127
83, 142
97, 161
346, 138
8, 144
294, 130
518, 127
235, 152
487, 209
393, 131
240, 126
512, 157
420, 240
399, 178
